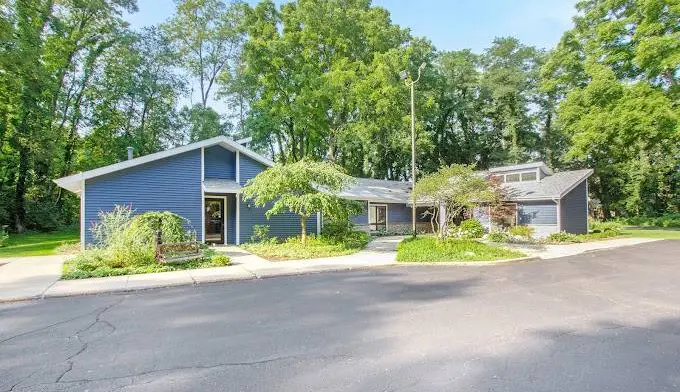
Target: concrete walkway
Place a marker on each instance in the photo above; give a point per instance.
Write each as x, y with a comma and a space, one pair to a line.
38, 277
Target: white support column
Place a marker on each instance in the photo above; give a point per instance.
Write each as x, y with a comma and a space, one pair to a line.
238, 167
238, 216
318, 223
202, 195
587, 208
368, 214
559, 215
82, 212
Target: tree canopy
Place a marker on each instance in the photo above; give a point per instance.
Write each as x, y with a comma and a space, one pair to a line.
318, 80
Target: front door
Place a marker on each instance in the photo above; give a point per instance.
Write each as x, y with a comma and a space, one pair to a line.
214, 221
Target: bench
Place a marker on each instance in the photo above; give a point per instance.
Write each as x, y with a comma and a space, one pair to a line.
176, 252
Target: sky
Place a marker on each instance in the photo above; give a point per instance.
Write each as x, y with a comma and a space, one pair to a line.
448, 24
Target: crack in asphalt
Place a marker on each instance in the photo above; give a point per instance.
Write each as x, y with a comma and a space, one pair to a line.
77, 334
198, 367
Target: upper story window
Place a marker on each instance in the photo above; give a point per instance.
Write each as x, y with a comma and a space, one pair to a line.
518, 177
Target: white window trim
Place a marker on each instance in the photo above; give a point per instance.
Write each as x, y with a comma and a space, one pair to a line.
224, 215
203, 196
82, 215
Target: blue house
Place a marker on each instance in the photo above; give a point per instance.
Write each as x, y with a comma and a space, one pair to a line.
202, 182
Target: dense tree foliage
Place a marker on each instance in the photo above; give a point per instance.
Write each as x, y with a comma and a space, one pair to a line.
319, 80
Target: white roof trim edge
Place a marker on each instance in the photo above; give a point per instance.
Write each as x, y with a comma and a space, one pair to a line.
73, 182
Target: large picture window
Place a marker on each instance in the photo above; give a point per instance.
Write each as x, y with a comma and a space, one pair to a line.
377, 217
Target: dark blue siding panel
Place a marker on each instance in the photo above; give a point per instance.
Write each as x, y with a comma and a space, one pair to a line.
249, 168
398, 213
280, 226
574, 210
172, 184
219, 163
538, 213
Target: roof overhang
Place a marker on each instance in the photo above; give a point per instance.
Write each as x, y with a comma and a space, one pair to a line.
214, 185
75, 182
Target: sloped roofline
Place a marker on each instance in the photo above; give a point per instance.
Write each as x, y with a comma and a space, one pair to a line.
74, 182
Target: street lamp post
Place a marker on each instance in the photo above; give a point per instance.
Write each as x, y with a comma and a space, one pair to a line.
411, 83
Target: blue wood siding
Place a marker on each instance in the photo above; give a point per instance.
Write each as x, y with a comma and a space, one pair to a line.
249, 168
219, 163
398, 213
481, 213
281, 225
231, 219
172, 184
574, 210
538, 213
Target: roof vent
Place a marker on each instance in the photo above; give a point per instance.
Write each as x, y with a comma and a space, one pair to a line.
130, 151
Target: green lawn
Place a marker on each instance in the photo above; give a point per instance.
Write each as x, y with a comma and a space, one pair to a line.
430, 249
668, 233
38, 244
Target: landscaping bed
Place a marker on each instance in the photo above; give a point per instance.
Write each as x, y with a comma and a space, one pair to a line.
430, 249
314, 247
98, 263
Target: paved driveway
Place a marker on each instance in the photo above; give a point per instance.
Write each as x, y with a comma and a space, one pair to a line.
607, 321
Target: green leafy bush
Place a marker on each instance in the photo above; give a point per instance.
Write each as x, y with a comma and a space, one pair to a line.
337, 228
471, 228
498, 236
220, 260
3, 235
665, 220
522, 231
260, 233
606, 227
110, 225
563, 236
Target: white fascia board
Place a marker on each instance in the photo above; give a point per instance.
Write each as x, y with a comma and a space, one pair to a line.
73, 182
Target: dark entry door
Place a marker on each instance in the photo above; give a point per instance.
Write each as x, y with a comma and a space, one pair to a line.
214, 221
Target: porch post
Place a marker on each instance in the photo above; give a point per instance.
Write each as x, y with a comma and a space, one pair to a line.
202, 196
238, 219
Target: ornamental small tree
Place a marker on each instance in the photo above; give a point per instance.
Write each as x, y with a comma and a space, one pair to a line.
303, 188
452, 189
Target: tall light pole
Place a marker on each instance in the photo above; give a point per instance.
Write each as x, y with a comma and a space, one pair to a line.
411, 83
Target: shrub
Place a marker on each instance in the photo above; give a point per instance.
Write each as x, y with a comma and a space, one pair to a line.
110, 225
430, 249
665, 220
522, 231
471, 228
337, 227
170, 224
498, 236
3, 234
220, 260
613, 227
562, 236
260, 233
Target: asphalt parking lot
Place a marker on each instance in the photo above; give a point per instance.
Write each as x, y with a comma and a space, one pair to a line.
601, 321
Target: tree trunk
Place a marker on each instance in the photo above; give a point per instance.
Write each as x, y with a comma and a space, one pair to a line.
303, 229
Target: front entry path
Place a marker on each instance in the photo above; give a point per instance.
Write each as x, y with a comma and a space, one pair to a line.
28, 277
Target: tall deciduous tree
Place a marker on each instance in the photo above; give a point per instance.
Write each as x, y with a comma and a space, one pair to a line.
208, 37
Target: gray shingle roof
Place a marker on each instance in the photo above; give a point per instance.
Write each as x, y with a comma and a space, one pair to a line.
550, 187
378, 190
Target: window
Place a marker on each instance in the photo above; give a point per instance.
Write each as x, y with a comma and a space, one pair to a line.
529, 176
512, 177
